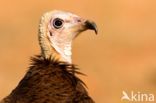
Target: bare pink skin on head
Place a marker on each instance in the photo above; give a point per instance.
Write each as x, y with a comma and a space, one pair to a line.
57, 30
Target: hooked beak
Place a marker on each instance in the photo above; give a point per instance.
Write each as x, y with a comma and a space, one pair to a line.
91, 25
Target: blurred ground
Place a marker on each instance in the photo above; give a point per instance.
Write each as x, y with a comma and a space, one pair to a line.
121, 57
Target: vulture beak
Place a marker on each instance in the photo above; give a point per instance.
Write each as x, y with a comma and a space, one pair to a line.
91, 25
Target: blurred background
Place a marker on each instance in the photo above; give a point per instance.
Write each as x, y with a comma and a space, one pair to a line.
121, 57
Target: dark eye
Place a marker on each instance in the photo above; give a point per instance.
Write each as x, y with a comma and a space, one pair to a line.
57, 23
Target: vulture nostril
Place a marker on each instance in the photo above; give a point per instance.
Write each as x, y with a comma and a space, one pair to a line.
78, 20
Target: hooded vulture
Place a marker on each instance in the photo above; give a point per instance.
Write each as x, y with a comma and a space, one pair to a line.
51, 77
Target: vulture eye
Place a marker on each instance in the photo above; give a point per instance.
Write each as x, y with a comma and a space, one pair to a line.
58, 23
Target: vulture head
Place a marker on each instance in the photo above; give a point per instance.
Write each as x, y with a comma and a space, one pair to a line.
57, 29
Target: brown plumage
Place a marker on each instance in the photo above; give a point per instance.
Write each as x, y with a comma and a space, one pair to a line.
50, 79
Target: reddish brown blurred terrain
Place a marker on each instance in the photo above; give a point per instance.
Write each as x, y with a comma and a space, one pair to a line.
121, 57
